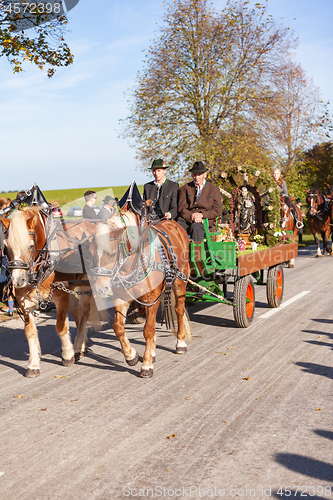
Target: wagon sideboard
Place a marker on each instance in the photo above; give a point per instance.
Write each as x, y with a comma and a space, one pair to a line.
263, 259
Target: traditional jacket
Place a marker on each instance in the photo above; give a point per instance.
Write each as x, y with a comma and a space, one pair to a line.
210, 203
168, 196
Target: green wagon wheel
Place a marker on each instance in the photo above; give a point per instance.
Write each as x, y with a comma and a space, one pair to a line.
275, 286
244, 298
136, 313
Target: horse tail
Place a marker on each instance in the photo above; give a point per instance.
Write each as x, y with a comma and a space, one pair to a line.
97, 318
169, 314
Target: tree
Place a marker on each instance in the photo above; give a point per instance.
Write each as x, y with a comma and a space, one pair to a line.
204, 75
292, 118
43, 46
317, 166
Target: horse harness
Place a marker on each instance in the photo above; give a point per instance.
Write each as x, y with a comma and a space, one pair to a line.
318, 213
37, 269
143, 265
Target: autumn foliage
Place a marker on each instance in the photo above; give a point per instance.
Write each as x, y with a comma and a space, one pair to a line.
221, 86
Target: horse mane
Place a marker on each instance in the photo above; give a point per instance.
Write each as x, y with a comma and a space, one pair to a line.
131, 234
102, 237
18, 233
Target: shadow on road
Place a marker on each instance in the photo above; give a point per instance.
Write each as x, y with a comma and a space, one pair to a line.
306, 466
328, 321
324, 371
325, 434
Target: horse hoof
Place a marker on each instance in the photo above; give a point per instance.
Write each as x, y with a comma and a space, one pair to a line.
146, 373
32, 373
68, 362
318, 256
291, 266
133, 362
181, 350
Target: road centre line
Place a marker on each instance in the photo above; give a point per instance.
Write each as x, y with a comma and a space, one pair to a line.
284, 304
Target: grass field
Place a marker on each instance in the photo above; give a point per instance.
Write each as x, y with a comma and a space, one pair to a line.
66, 196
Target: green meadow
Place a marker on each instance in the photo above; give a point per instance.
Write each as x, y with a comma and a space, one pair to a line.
67, 196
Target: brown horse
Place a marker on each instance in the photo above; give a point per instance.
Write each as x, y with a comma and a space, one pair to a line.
288, 222
169, 264
31, 277
319, 218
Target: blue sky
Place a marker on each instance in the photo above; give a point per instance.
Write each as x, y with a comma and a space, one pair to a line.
63, 132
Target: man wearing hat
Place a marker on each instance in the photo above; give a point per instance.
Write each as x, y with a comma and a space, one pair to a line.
198, 200
109, 207
162, 192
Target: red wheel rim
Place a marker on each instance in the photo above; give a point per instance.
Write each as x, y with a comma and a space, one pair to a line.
279, 283
249, 300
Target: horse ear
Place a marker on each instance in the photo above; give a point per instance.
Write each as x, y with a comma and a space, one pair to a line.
5, 222
31, 222
307, 191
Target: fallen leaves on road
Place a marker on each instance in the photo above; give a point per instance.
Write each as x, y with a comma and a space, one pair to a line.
246, 378
231, 347
60, 376
43, 409
318, 409
18, 397
227, 353
171, 436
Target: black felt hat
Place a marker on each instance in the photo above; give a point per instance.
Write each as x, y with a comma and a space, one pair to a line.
198, 168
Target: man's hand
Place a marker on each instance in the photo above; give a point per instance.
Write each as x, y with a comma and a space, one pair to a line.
197, 217
167, 215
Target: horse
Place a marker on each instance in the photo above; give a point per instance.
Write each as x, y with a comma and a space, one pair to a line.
319, 218
288, 222
169, 267
32, 280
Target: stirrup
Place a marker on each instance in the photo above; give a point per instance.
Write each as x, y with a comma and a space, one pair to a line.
299, 224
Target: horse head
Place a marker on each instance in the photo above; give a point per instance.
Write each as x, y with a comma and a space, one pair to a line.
115, 238
25, 239
315, 201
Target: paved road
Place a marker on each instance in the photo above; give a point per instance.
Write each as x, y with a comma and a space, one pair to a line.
245, 413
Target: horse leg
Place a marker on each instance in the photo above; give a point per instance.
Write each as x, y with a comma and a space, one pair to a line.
130, 354
325, 235
62, 328
317, 241
147, 369
31, 333
81, 339
30, 330
180, 293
